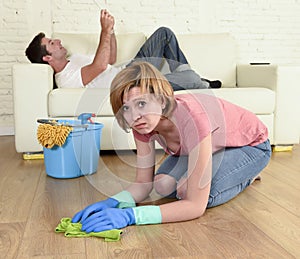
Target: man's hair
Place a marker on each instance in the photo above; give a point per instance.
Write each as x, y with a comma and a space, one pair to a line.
36, 51
150, 81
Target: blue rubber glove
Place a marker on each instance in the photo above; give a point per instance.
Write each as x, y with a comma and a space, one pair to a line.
122, 199
93, 208
112, 218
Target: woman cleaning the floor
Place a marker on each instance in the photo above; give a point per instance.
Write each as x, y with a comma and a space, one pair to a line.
215, 150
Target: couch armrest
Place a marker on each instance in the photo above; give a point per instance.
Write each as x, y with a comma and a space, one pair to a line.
31, 85
257, 76
284, 80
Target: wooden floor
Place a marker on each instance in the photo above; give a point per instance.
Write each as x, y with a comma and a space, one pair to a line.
262, 222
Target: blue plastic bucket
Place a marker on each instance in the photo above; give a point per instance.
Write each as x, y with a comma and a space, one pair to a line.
79, 155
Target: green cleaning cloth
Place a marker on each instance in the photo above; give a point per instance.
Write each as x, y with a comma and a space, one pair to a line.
74, 230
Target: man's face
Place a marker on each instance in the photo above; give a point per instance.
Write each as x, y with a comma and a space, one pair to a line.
54, 47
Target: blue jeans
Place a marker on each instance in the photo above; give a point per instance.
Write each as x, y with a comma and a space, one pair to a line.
163, 45
233, 169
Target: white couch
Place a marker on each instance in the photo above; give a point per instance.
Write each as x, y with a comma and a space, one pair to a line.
270, 91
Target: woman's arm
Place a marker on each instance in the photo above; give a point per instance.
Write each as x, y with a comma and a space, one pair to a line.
138, 191
145, 167
193, 205
198, 186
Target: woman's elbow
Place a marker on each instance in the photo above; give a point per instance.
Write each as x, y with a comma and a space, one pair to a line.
197, 211
201, 212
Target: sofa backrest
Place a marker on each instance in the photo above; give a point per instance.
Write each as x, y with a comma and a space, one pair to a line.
213, 55
86, 43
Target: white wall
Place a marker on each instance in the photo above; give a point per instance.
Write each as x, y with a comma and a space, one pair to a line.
266, 30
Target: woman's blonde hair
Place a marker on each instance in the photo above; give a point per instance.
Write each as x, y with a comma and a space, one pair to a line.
149, 79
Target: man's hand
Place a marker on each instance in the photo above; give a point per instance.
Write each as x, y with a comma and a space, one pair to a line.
107, 21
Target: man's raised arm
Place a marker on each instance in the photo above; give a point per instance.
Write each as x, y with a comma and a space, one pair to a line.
106, 51
113, 48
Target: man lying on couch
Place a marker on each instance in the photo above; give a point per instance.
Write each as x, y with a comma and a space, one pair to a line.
78, 71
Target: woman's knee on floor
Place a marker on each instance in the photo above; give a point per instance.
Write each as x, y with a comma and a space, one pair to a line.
164, 184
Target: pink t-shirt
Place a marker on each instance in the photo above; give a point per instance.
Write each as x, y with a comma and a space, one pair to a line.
198, 115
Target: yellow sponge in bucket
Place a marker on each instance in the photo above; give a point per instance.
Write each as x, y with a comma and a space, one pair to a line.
50, 135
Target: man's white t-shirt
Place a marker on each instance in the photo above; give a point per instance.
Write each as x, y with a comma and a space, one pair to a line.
70, 76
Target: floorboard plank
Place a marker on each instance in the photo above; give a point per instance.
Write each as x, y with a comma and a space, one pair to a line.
18, 183
55, 198
262, 222
133, 244
10, 238
272, 219
277, 192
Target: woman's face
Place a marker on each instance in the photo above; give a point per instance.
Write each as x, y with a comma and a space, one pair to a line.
141, 111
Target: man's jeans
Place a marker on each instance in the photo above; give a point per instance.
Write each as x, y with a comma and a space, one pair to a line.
233, 169
163, 45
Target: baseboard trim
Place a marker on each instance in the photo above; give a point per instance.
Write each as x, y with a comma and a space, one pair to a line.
33, 156
7, 131
282, 148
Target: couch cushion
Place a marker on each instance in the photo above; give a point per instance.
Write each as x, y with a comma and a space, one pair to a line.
213, 56
86, 43
255, 99
72, 102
